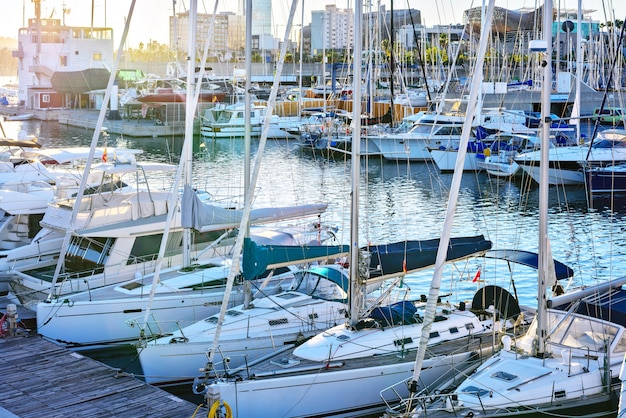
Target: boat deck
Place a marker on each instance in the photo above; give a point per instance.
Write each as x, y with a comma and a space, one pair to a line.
282, 364
42, 378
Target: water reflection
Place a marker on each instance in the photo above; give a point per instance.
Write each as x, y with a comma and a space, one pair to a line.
398, 200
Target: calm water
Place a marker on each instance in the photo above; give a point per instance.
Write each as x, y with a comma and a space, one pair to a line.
402, 201
398, 200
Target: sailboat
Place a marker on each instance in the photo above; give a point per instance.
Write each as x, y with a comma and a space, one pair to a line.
569, 361
312, 301
341, 370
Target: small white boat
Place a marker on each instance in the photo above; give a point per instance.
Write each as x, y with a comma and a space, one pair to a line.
20, 116
445, 158
229, 122
499, 160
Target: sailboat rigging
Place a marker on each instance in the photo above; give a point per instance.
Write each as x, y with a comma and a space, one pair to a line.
453, 196
376, 344
565, 364
92, 151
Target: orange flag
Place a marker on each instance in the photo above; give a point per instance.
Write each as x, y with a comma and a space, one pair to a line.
476, 276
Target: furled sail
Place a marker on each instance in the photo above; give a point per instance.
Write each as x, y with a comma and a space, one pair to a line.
205, 217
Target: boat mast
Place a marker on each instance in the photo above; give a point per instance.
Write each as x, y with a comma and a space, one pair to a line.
575, 115
247, 131
190, 108
392, 63
355, 281
544, 249
301, 56
442, 251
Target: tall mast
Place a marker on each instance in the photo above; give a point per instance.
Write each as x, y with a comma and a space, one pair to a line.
189, 115
544, 250
355, 281
247, 130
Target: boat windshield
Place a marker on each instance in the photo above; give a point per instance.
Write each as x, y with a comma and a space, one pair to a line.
607, 143
317, 286
610, 139
422, 129
582, 332
578, 332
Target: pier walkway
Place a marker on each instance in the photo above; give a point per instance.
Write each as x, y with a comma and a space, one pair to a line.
40, 378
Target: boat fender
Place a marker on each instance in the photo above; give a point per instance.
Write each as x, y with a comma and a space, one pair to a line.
487, 152
215, 407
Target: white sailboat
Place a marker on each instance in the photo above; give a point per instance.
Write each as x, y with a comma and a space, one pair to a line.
340, 371
569, 361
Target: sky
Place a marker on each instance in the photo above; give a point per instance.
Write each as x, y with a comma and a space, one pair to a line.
150, 20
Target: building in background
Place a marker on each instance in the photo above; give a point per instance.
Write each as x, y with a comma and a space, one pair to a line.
331, 29
59, 65
261, 17
228, 35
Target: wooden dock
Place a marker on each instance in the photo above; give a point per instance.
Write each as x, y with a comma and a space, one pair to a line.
43, 379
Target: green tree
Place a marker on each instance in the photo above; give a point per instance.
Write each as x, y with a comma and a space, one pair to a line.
256, 57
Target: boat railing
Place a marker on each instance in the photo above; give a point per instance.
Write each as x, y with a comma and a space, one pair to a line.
399, 405
221, 369
450, 402
152, 328
71, 282
437, 397
393, 396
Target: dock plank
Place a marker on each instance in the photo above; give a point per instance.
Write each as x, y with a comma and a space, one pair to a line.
42, 378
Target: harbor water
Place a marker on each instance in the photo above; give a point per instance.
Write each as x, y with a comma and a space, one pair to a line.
398, 201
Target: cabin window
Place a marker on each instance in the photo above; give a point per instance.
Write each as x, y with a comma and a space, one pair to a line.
560, 394
454, 330
45, 98
145, 249
621, 345
434, 334
88, 253
280, 321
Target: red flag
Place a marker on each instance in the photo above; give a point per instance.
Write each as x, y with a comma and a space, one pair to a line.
404, 266
104, 155
476, 276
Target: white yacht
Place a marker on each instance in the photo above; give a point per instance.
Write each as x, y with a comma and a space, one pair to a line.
567, 164
228, 121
